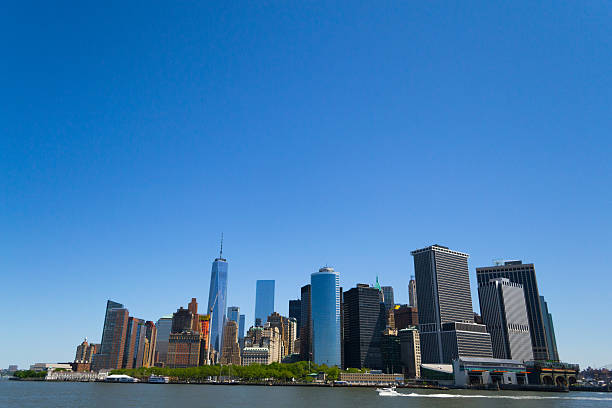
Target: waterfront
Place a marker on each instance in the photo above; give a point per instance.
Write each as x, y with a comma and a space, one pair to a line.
102, 395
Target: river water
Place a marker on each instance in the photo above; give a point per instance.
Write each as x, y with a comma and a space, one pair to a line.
26, 394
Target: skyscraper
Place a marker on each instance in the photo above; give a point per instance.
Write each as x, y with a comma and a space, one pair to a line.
502, 305
410, 352
217, 298
231, 349
233, 313
446, 319
241, 322
264, 301
549, 328
114, 331
306, 330
295, 311
164, 327
524, 274
412, 292
364, 322
325, 306
388, 297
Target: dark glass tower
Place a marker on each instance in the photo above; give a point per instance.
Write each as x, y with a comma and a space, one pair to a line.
305, 332
217, 299
295, 311
364, 322
443, 285
114, 332
524, 274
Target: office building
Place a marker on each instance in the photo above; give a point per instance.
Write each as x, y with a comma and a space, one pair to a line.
184, 350
257, 338
182, 320
217, 300
295, 311
110, 355
325, 298
131, 342
231, 350
264, 301
306, 329
146, 346
255, 355
292, 333
410, 351
204, 330
525, 275
241, 323
388, 297
549, 329
488, 371
502, 304
445, 301
233, 313
412, 292
405, 316
164, 328
85, 352
390, 350
364, 322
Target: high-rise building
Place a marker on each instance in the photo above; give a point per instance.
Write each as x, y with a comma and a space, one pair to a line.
325, 298
85, 352
295, 311
388, 297
231, 349
443, 285
217, 298
306, 329
405, 316
164, 327
110, 355
549, 329
292, 335
147, 346
131, 342
182, 320
410, 351
390, 351
364, 322
241, 323
204, 330
184, 349
233, 313
412, 292
525, 275
264, 301
502, 305
262, 345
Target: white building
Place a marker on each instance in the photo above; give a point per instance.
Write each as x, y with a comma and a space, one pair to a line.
38, 367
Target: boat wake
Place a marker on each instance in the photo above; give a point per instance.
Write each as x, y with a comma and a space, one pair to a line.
393, 393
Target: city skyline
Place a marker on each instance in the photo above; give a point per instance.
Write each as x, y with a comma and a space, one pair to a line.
310, 135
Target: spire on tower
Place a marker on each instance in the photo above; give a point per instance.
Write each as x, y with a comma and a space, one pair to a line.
221, 251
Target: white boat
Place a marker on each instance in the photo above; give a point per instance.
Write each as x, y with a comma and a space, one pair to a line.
158, 379
121, 378
387, 392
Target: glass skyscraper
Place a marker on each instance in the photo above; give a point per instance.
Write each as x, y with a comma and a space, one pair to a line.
264, 301
241, 327
164, 326
325, 305
217, 298
233, 313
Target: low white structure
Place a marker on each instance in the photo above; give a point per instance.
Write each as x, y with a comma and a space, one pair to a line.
38, 367
121, 378
75, 376
486, 371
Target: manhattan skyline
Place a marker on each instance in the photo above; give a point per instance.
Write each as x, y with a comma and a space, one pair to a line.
309, 135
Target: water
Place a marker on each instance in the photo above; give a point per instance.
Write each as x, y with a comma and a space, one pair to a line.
98, 395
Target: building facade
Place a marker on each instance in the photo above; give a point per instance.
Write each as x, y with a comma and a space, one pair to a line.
549, 329
183, 350
523, 274
231, 349
503, 309
164, 327
110, 355
443, 285
264, 301
412, 292
388, 297
325, 298
410, 351
405, 316
295, 311
364, 322
390, 350
217, 300
306, 329
85, 352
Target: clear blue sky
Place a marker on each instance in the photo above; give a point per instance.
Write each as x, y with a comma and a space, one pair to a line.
133, 133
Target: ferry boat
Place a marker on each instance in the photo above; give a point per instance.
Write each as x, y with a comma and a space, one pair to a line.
121, 378
158, 379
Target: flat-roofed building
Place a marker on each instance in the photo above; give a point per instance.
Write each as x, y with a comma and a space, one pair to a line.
410, 351
255, 355
483, 371
373, 377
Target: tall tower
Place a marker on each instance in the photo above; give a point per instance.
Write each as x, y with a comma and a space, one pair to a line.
325, 298
549, 328
502, 305
412, 292
114, 333
524, 274
306, 329
446, 319
388, 297
264, 301
217, 299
